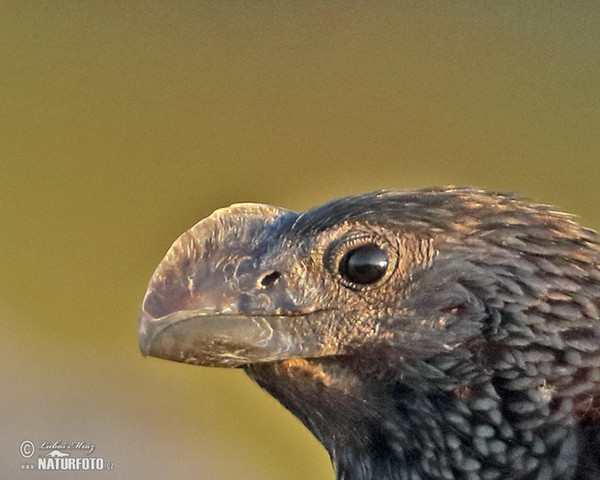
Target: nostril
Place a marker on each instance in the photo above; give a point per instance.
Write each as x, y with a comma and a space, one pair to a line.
270, 278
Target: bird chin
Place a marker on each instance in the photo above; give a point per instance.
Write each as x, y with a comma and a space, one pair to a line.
220, 340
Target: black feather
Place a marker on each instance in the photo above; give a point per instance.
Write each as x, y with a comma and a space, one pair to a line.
470, 351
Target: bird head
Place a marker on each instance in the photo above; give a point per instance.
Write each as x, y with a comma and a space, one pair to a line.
253, 283
361, 310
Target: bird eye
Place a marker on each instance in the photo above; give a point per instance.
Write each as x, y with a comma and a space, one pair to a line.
364, 265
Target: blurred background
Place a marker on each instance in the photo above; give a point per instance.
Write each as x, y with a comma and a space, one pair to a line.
124, 123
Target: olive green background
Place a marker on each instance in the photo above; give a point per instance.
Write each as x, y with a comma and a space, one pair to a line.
124, 123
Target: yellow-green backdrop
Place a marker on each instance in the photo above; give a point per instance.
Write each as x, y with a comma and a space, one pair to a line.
123, 123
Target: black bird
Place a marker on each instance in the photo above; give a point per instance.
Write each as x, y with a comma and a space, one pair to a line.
437, 334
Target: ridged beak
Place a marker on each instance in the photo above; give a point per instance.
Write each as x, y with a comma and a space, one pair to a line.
205, 304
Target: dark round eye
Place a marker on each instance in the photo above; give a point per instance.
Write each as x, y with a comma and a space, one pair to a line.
364, 265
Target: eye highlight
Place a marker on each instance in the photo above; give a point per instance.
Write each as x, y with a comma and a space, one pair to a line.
364, 265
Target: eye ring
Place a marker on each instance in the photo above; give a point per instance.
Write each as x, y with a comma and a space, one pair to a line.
362, 262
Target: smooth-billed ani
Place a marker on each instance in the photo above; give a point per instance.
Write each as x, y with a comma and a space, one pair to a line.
437, 334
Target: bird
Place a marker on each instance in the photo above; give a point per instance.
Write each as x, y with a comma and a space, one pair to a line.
441, 333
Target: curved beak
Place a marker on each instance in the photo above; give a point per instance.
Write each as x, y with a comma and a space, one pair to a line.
205, 304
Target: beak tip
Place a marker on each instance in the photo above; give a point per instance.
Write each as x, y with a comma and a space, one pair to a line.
144, 339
